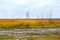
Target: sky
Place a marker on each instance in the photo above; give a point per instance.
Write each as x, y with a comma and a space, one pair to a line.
35, 8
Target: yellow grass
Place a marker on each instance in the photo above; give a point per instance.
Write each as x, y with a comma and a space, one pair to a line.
8, 39
35, 22
17, 21
45, 37
42, 38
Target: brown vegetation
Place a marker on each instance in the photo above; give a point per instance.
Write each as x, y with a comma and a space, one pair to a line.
30, 22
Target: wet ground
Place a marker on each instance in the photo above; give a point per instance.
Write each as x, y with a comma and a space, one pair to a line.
19, 33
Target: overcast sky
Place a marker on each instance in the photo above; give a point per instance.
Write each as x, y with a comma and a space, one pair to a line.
19, 8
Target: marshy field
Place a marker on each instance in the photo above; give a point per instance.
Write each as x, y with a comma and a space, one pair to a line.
29, 29
29, 23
